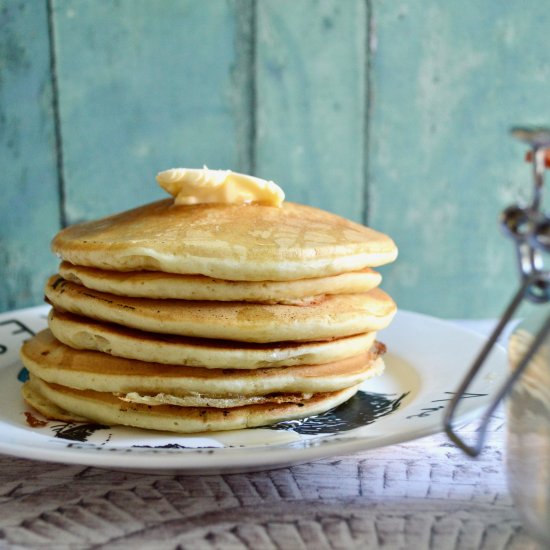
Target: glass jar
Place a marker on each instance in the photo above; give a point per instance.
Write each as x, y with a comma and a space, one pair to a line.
528, 438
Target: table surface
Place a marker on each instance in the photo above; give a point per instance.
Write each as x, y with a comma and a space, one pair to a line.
421, 494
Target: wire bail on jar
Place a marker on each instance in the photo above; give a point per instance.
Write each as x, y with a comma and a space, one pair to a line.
529, 229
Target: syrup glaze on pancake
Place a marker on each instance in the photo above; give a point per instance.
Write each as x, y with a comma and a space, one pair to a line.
84, 333
47, 358
334, 317
156, 284
234, 242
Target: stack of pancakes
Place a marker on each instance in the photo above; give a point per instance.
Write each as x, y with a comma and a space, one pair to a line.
209, 317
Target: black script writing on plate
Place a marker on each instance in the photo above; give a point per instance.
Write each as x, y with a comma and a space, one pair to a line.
428, 411
77, 432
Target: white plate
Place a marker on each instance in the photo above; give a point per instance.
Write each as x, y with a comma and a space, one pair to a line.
427, 359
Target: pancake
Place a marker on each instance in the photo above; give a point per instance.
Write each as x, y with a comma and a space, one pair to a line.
47, 358
197, 314
32, 395
83, 333
149, 284
107, 408
226, 241
334, 317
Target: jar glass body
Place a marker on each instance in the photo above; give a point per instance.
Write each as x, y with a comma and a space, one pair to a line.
528, 438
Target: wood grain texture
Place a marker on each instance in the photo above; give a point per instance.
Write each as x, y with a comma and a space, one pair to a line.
29, 211
424, 495
449, 80
311, 100
142, 89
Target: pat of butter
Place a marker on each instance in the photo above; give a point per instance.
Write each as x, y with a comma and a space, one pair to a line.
201, 185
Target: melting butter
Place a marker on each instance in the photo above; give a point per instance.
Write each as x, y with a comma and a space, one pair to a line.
202, 185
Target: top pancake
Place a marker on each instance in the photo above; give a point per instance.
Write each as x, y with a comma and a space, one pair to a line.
226, 241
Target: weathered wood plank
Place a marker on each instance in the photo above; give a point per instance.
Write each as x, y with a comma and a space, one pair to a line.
29, 210
421, 494
449, 79
310, 101
143, 90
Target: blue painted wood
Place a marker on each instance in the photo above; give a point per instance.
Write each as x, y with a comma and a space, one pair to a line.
403, 122
311, 101
29, 212
449, 79
145, 87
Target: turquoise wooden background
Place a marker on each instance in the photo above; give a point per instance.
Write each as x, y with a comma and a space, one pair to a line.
394, 113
